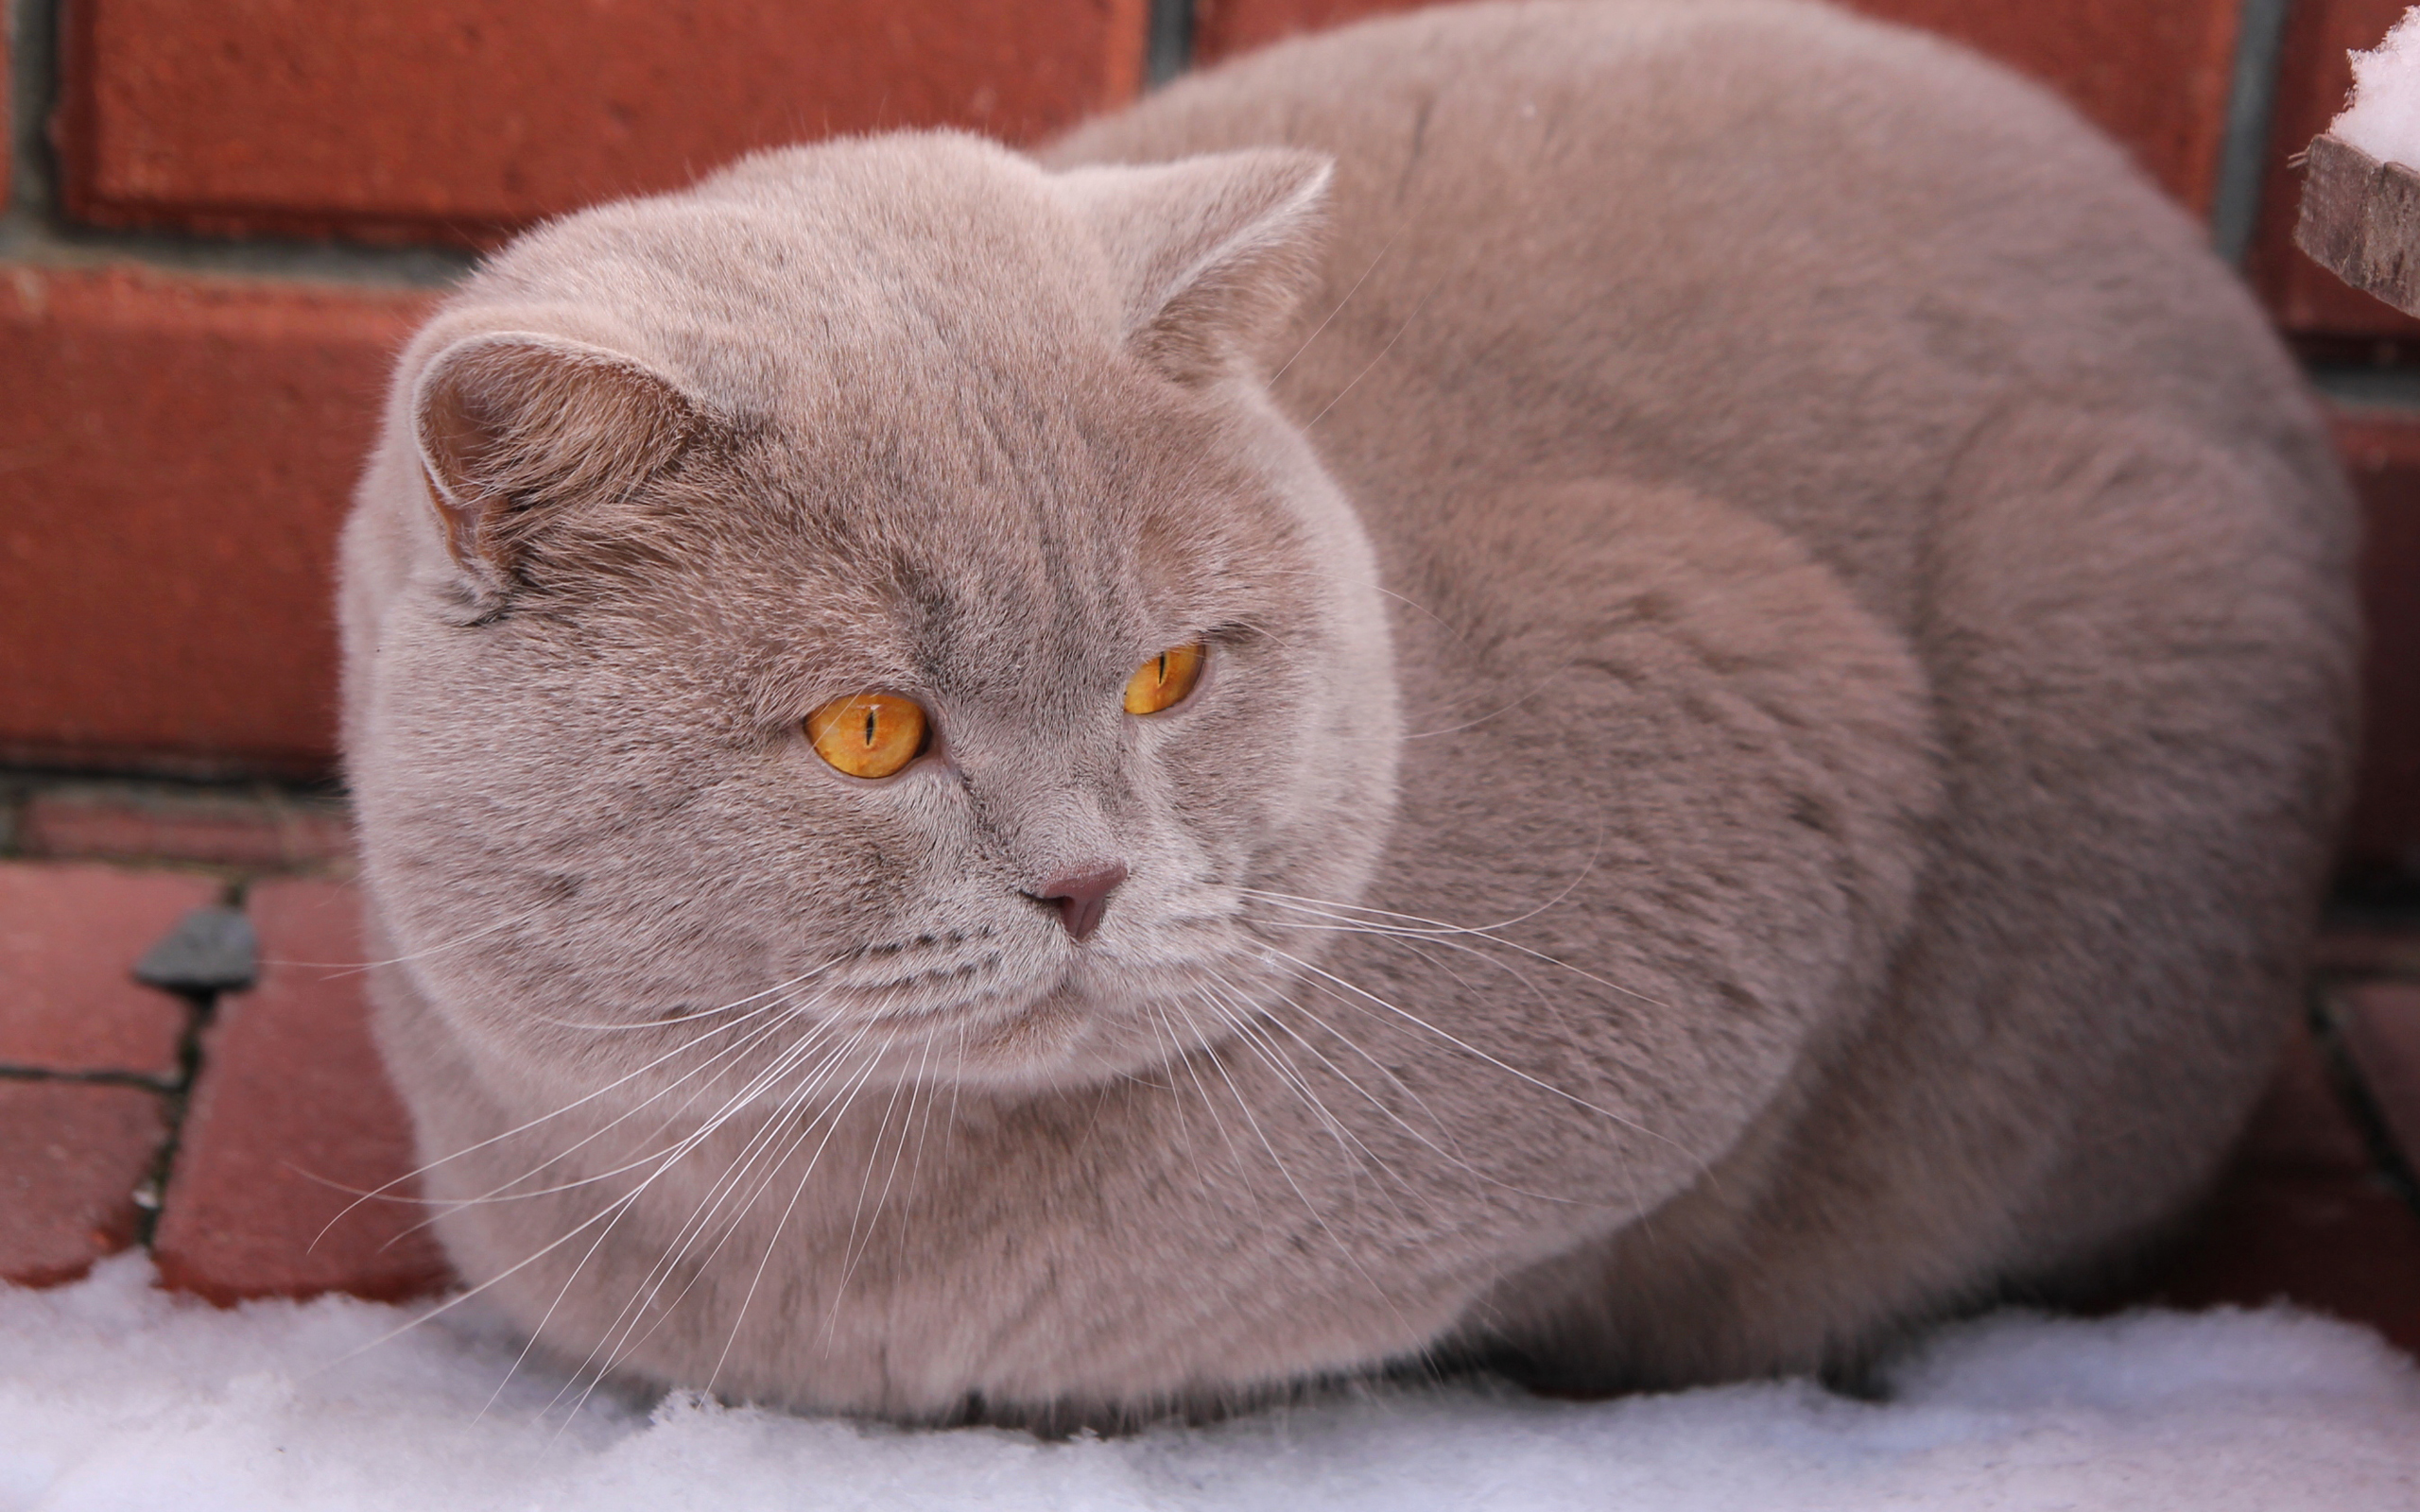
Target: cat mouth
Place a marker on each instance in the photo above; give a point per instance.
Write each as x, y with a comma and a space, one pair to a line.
1086, 1016
922, 1004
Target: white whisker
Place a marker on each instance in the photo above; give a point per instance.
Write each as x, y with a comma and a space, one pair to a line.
423, 1169
1472, 1050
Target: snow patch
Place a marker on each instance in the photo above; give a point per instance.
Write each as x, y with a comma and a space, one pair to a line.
115, 1395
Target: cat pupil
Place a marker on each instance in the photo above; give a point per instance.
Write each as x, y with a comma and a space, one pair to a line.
870, 722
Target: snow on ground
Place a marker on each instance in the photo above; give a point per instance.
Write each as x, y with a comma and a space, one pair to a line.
115, 1395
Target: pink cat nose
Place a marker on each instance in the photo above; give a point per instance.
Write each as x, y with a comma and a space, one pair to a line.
1082, 896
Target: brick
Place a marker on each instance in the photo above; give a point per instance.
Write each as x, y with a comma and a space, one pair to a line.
69, 936
2313, 78
2301, 1126
460, 119
2381, 450
2361, 948
2300, 1214
71, 1157
2339, 1244
2154, 73
290, 1119
178, 456
2381, 1027
269, 832
1223, 28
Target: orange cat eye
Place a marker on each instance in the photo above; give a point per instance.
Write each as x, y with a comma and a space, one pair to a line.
1163, 681
868, 734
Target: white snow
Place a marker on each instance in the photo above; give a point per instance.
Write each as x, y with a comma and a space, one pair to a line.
115, 1395
2384, 118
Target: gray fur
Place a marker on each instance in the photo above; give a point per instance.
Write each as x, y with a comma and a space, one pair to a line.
1780, 685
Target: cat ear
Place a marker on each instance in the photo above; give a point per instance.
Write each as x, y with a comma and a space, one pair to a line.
513, 426
1212, 250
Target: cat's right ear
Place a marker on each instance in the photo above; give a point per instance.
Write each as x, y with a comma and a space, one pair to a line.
513, 427
1212, 250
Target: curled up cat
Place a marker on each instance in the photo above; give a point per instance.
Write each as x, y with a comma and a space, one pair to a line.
1638, 693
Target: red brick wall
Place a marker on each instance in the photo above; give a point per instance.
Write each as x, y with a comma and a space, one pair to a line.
462, 119
2383, 451
177, 454
185, 390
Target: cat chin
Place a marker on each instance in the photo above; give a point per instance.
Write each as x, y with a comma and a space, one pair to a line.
1052, 1043
1076, 1019
1066, 1037
1093, 1022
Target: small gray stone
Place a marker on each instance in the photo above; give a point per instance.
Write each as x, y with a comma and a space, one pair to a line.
211, 950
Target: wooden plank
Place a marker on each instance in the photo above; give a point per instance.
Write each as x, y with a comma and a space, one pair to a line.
2361, 220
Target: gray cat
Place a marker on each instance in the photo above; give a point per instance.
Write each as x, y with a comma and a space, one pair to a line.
1637, 690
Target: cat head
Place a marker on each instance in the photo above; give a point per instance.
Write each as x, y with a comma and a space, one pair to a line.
863, 618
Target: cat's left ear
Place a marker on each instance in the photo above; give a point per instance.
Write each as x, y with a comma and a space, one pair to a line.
1211, 251
514, 426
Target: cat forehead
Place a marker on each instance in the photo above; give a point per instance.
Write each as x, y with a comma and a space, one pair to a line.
825, 265
850, 560
1003, 607
958, 528
836, 263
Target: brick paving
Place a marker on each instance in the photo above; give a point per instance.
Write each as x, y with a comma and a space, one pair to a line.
228, 1134
290, 1121
76, 1159
238, 1172
2379, 1023
2310, 1209
69, 936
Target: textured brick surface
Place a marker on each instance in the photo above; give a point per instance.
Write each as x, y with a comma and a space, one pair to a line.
2382, 1033
2299, 1215
176, 455
268, 832
2313, 81
2383, 451
291, 1118
2340, 1244
71, 1157
2301, 1127
459, 117
2153, 73
69, 936
2362, 949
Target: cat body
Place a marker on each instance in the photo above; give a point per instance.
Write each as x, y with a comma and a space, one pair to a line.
1778, 684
